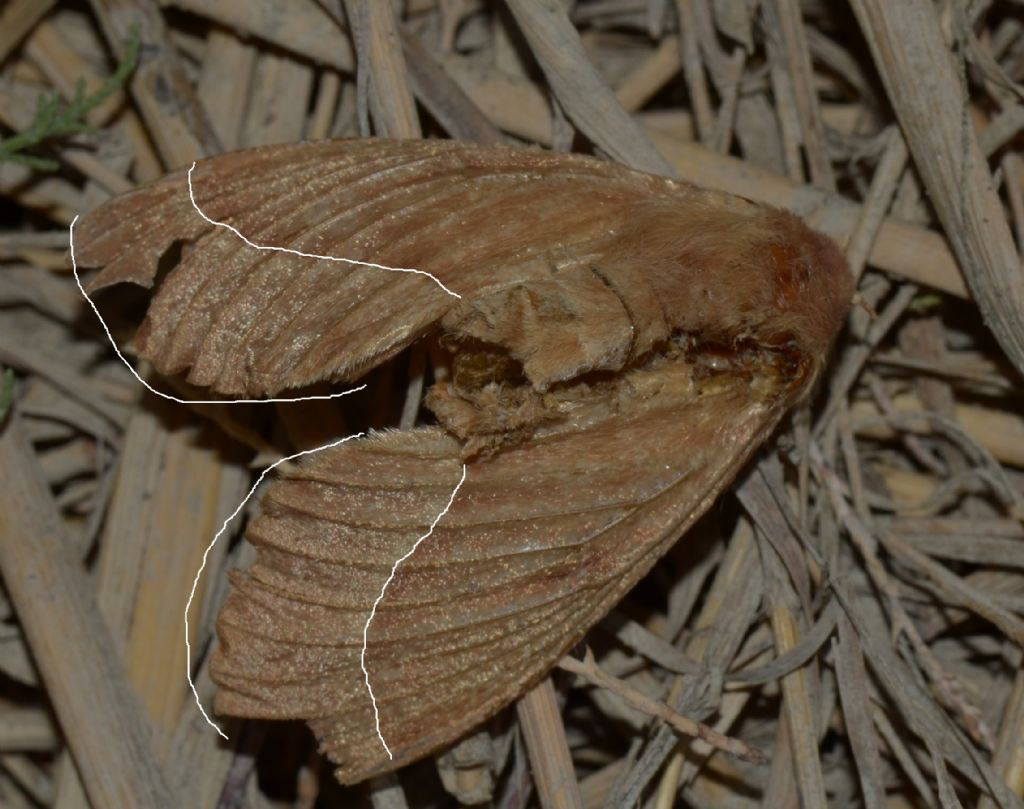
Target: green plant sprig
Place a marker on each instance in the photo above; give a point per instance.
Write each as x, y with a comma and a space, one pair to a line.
55, 119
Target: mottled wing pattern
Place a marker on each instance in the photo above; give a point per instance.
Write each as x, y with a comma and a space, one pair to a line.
540, 542
251, 322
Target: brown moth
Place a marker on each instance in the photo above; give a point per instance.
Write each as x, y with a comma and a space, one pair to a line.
622, 344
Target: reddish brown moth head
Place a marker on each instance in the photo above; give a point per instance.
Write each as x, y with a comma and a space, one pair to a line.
730, 270
622, 345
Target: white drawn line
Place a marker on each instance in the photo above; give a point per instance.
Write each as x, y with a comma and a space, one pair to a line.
206, 553
373, 610
150, 388
191, 196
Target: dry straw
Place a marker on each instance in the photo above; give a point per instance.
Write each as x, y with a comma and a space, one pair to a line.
855, 613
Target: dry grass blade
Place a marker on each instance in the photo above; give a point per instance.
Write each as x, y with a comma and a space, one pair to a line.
306, 29
73, 647
1008, 758
724, 618
693, 69
854, 607
394, 112
592, 673
798, 61
550, 759
923, 84
443, 97
797, 686
17, 19
854, 692
164, 95
587, 100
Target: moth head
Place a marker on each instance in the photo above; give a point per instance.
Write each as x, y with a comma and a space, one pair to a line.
811, 286
733, 273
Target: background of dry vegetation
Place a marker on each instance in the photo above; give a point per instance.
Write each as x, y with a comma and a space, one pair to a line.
856, 611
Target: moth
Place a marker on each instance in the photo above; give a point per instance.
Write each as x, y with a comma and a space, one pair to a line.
622, 344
